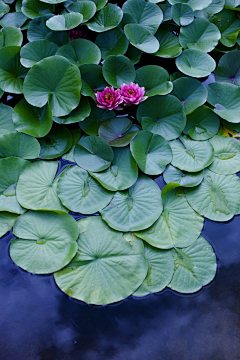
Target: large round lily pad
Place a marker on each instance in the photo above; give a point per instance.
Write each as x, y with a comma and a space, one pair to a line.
86, 8
19, 145
81, 193
195, 266
121, 174
183, 178
202, 124
37, 187
136, 208
34, 51
151, 152
56, 81
172, 228
190, 92
118, 132
35, 8
182, 14
93, 153
7, 221
195, 63
108, 267
227, 155
47, 241
160, 271
162, 115
192, 156
217, 197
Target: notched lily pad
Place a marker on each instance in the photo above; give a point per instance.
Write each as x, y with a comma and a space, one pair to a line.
183, 178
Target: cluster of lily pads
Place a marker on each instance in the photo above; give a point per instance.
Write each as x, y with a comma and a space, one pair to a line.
61, 61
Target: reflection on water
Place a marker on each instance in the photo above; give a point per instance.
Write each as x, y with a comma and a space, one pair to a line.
39, 322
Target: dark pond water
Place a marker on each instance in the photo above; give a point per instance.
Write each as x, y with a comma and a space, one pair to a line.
39, 322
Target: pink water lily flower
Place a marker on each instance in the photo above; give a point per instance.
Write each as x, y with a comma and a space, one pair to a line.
109, 98
132, 94
76, 34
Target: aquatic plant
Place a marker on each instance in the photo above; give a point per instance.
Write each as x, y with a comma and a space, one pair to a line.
102, 225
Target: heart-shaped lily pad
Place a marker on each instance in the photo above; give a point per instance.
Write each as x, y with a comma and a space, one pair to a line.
79, 114
35, 8
136, 208
182, 14
108, 267
86, 8
47, 241
10, 36
169, 46
64, 22
92, 80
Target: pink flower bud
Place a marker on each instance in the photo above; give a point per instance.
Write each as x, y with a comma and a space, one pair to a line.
109, 98
132, 94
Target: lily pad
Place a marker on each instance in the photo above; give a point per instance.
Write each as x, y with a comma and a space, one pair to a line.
37, 187
215, 7
6, 123
37, 29
195, 266
106, 19
141, 38
160, 271
217, 197
162, 115
228, 69
182, 14
112, 42
47, 241
228, 23
56, 81
227, 155
172, 228
118, 70
93, 153
154, 79
34, 51
35, 8
195, 4
136, 208
92, 79
80, 52
225, 99
79, 114
10, 36
31, 120
169, 46
15, 19
192, 156
144, 13
108, 267
183, 178
11, 71
86, 8
151, 152
7, 221
122, 173
55, 143
190, 92
81, 193
202, 124
118, 132
195, 63
200, 34
19, 145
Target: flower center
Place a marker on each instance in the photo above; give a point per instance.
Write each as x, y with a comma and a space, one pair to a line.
109, 97
131, 92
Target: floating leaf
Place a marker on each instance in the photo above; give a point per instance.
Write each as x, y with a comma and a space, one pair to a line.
122, 173
136, 208
10, 36
202, 124
172, 228
118, 70
151, 152
195, 266
108, 267
154, 79
169, 44
80, 52
215, 7
37, 29
195, 4
118, 131
183, 178
190, 92
86, 8
162, 115
56, 81
195, 63
144, 13
92, 80
229, 25
217, 197
64, 22
106, 19
34, 51
7, 221
227, 155
55, 143
192, 156
112, 42
182, 14
19, 145
228, 69
141, 38
6, 123
31, 120
79, 114
16, 19
81, 193
160, 271
47, 241
93, 153
37, 187
35, 8
4, 8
